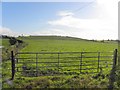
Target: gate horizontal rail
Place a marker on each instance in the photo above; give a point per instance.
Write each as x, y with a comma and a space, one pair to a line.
59, 52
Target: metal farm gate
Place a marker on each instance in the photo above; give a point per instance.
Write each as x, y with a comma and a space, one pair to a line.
56, 63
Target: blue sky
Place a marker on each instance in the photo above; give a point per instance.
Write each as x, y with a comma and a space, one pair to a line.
46, 0
29, 16
79, 19
0, 14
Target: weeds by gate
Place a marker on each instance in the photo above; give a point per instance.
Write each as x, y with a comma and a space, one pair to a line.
69, 63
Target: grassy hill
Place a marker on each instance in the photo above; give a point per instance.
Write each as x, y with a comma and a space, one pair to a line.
64, 44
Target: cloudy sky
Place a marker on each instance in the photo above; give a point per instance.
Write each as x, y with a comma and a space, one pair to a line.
88, 19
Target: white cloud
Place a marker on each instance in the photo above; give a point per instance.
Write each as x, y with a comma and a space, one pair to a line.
58, 32
7, 31
105, 26
65, 13
82, 24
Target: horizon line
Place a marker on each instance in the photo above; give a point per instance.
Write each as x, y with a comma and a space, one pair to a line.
57, 36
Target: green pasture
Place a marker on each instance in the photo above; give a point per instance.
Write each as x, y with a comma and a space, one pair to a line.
65, 44
45, 44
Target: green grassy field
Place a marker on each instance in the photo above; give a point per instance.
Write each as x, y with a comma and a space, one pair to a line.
60, 44
64, 44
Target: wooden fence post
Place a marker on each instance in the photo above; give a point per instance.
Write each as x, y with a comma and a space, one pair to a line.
115, 58
112, 73
12, 65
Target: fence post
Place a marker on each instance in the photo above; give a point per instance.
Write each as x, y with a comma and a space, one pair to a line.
115, 58
112, 73
12, 65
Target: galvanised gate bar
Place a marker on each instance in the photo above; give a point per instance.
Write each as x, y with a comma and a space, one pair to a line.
56, 63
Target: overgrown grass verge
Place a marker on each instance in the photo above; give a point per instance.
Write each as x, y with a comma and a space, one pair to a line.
85, 81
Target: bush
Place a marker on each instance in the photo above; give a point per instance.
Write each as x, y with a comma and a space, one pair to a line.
20, 41
12, 41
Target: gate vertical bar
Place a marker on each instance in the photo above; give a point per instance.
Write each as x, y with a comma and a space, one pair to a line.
12, 65
36, 64
81, 62
98, 62
58, 62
